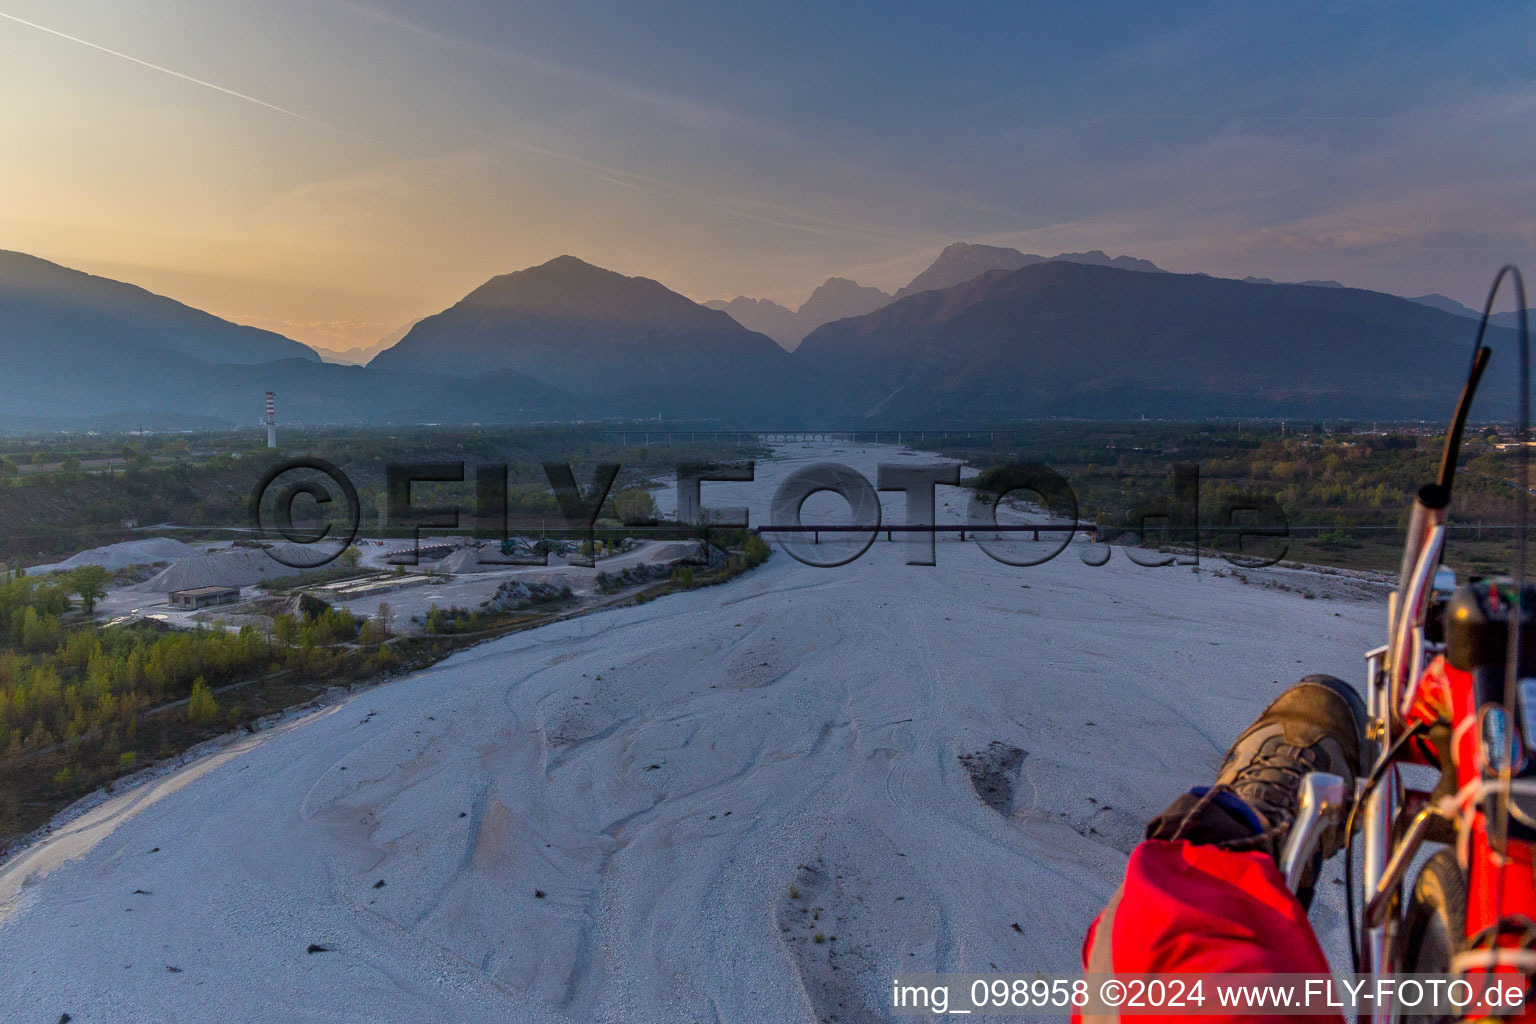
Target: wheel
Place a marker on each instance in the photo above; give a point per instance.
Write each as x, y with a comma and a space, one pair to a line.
1435, 920
1435, 923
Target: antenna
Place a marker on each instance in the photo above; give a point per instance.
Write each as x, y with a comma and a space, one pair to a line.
1499, 835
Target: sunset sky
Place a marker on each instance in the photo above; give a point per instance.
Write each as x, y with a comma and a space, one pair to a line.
332, 169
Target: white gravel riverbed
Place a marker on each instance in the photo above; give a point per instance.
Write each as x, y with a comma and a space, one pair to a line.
648, 814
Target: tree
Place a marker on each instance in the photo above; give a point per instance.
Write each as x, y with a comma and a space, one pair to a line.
385, 618
351, 557
634, 505
286, 629
201, 707
7, 469
90, 582
38, 632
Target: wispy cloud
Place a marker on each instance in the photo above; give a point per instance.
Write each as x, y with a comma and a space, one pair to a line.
1238, 118
680, 109
773, 214
185, 78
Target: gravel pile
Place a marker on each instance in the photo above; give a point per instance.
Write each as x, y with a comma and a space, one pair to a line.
520, 594
120, 556
673, 551
467, 560
237, 567
612, 582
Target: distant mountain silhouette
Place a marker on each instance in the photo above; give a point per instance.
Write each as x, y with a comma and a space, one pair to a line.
73, 343
83, 348
963, 261
1314, 284
765, 316
837, 298
569, 341
1509, 318
833, 299
1065, 339
1444, 302
44, 305
625, 346
361, 354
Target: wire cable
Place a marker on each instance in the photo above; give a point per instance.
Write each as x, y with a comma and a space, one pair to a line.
1500, 838
1371, 782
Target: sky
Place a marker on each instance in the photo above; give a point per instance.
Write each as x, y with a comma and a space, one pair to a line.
334, 169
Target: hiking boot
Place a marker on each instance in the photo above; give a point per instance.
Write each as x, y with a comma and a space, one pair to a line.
1315, 726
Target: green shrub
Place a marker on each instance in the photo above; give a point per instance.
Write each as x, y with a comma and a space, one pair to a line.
201, 707
754, 550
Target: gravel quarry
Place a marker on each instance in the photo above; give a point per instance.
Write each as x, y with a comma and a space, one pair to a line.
148, 551
750, 802
232, 567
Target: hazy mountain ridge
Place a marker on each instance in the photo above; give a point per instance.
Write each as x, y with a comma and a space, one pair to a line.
1314, 283
764, 316
626, 345
79, 347
1066, 339
568, 340
834, 299
43, 304
1509, 318
359, 355
964, 261
838, 298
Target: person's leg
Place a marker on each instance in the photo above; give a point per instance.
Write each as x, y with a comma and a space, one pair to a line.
1204, 892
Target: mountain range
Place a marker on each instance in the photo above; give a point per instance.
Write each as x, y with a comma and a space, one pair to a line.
626, 345
43, 304
1080, 335
1510, 318
963, 261
1315, 284
1062, 339
839, 298
359, 355
834, 299
76, 348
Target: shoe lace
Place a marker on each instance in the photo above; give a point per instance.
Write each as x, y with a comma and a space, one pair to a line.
1269, 784
1271, 781
1267, 840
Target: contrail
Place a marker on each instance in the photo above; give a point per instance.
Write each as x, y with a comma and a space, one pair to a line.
185, 78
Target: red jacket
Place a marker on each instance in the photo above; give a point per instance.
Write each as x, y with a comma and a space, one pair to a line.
1187, 909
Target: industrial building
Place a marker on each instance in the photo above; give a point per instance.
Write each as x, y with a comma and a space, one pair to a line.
204, 597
